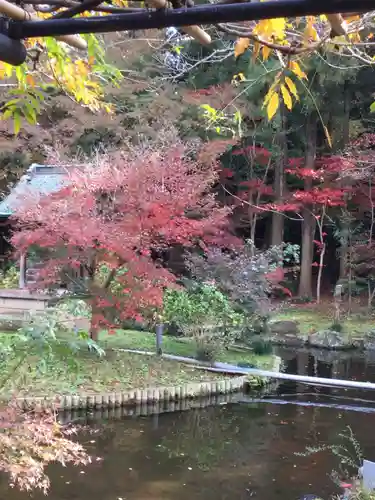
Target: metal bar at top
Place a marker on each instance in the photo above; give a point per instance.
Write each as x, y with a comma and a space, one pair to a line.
204, 14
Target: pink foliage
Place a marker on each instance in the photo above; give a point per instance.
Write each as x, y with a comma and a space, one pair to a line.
30, 442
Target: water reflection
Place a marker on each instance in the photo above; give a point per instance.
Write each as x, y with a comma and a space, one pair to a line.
231, 451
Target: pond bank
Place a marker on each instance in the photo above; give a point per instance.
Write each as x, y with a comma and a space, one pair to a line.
123, 378
224, 450
313, 328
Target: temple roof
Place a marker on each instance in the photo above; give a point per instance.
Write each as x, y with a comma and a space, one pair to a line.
39, 179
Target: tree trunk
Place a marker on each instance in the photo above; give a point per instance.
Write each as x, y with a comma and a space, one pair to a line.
277, 231
344, 141
320, 273
307, 251
308, 223
94, 327
346, 116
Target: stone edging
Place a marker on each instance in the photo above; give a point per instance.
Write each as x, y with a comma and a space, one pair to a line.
135, 396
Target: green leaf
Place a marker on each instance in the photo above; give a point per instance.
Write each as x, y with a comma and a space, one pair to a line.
372, 107
8, 113
30, 114
16, 122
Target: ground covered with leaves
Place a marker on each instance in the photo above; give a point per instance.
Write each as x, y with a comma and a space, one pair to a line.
113, 371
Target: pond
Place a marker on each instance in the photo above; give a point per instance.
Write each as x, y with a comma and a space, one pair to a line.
232, 451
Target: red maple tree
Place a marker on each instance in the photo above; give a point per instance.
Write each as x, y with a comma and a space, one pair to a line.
114, 217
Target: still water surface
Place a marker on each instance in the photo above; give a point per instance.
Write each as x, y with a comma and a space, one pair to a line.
233, 451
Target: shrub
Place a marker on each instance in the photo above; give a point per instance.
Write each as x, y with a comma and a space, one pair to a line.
9, 278
207, 351
261, 347
204, 313
336, 327
246, 276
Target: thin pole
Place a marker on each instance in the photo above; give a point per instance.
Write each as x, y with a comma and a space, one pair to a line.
204, 14
347, 384
236, 370
22, 278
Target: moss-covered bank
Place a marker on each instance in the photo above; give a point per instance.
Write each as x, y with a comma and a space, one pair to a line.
314, 327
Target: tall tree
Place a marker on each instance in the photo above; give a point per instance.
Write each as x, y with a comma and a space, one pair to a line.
277, 231
308, 220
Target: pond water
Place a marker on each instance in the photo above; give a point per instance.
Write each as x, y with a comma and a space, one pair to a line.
232, 451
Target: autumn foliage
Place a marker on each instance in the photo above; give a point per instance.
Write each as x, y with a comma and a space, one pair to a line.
114, 219
29, 442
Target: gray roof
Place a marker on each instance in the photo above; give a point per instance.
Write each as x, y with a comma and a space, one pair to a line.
39, 179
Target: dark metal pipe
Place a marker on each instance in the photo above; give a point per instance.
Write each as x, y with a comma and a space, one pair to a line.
11, 51
204, 14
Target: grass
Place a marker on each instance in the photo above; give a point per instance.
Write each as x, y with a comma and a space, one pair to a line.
118, 370
312, 319
115, 372
145, 341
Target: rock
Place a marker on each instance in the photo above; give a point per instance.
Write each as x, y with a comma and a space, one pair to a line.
329, 339
287, 340
368, 340
287, 327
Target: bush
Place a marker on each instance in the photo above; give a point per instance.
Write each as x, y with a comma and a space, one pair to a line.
247, 276
206, 352
202, 312
258, 325
137, 326
336, 327
173, 330
261, 347
9, 278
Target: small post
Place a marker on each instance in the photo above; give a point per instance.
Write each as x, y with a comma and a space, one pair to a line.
159, 329
155, 421
22, 279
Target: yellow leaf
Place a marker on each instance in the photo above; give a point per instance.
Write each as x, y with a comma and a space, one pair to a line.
266, 51
278, 27
295, 67
241, 45
354, 37
286, 97
328, 137
310, 30
30, 80
240, 77
256, 50
270, 92
291, 86
273, 105
271, 29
